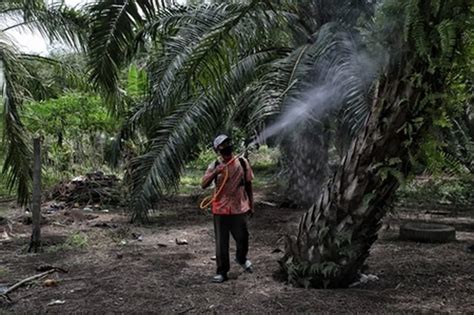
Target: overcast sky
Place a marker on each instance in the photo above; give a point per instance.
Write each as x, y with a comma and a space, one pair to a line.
33, 42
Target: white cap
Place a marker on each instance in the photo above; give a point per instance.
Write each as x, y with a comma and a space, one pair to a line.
219, 140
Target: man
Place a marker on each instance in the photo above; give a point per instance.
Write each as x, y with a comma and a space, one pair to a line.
231, 206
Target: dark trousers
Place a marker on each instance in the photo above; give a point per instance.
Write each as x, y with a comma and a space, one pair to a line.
237, 226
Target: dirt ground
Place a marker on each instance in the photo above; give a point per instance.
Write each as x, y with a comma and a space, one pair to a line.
127, 269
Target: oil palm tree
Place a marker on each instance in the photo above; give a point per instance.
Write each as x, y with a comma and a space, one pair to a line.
208, 65
211, 64
429, 43
19, 81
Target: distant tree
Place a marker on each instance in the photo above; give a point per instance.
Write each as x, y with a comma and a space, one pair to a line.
75, 126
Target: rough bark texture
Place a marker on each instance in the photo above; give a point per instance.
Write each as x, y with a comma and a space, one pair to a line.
336, 233
306, 157
35, 242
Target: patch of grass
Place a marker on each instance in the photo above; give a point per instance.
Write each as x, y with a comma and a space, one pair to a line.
191, 181
265, 159
3, 209
76, 240
265, 178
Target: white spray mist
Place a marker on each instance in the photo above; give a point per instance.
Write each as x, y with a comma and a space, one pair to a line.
357, 69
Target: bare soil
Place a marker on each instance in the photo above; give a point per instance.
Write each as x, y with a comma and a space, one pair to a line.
129, 269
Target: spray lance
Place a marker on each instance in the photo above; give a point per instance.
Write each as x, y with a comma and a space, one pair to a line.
207, 201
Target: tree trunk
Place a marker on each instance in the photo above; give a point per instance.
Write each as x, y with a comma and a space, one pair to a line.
35, 242
336, 233
305, 154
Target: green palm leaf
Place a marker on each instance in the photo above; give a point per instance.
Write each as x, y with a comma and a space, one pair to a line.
17, 166
192, 51
53, 21
114, 25
332, 60
178, 135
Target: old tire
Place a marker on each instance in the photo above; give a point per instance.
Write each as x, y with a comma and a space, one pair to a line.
427, 232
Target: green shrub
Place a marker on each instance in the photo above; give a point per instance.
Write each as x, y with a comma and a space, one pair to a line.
458, 191
265, 158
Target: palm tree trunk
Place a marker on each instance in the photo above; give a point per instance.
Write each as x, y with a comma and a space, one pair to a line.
305, 153
335, 235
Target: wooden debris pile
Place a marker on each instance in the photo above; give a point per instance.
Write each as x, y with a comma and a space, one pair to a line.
92, 188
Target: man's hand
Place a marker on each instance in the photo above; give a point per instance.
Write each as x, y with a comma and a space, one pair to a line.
211, 175
219, 168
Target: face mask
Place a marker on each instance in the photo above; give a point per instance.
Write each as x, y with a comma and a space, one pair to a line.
226, 150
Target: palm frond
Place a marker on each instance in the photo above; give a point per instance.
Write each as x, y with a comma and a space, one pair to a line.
114, 25
54, 21
179, 134
332, 61
314, 14
284, 76
21, 81
17, 166
62, 75
447, 34
195, 55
